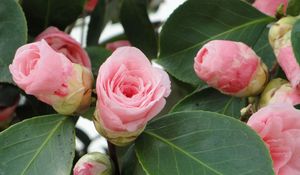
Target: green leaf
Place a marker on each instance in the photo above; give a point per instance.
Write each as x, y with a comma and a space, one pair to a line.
179, 91
130, 165
41, 145
138, 27
201, 143
41, 14
97, 55
13, 34
295, 39
198, 21
293, 8
210, 99
264, 49
97, 23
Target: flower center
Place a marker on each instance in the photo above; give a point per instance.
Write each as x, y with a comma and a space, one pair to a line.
129, 90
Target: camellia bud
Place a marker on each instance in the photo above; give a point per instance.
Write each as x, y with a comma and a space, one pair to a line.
79, 88
280, 39
279, 90
270, 7
231, 67
279, 34
52, 78
93, 164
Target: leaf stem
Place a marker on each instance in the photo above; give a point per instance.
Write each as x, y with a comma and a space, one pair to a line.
113, 156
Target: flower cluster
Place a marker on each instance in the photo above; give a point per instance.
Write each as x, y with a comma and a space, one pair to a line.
233, 68
129, 91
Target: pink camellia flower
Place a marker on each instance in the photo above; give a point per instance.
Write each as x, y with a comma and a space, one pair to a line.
90, 5
93, 164
51, 77
279, 127
231, 67
269, 7
63, 43
130, 93
114, 45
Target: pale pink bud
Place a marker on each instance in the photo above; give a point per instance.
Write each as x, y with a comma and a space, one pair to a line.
51, 77
289, 65
130, 93
280, 32
116, 44
93, 164
279, 90
270, 7
63, 43
279, 127
231, 67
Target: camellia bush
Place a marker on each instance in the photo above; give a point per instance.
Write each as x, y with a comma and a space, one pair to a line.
213, 90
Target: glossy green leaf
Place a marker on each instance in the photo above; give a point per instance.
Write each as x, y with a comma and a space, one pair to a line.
210, 99
179, 91
97, 55
202, 143
264, 49
295, 38
198, 21
43, 13
13, 34
293, 8
138, 27
41, 145
131, 165
97, 23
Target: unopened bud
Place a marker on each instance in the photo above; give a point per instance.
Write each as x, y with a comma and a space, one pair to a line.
231, 67
93, 164
279, 90
279, 33
79, 92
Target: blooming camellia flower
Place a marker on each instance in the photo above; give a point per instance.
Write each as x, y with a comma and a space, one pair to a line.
269, 7
114, 45
231, 67
52, 78
279, 127
63, 43
93, 164
130, 93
